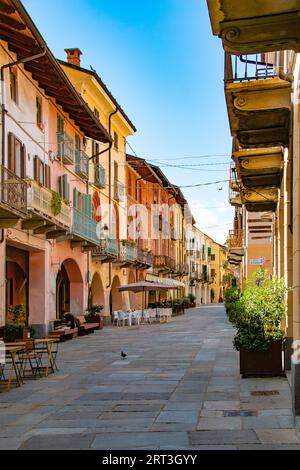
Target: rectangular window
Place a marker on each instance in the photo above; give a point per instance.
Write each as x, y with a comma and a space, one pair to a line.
116, 141
16, 156
116, 171
13, 84
38, 170
213, 257
39, 112
64, 187
47, 177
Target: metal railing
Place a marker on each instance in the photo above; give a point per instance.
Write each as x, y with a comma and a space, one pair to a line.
144, 258
99, 176
82, 164
128, 252
40, 200
233, 182
119, 190
164, 262
236, 238
65, 148
246, 68
13, 190
107, 247
84, 226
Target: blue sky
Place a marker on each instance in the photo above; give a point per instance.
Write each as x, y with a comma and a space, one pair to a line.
164, 66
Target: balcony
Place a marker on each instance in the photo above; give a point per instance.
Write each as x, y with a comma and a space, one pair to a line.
196, 275
235, 242
234, 187
259, 167
84, 230
65, 148
82, 164
99, 176
127, 254
44, 217
13, 198
108, 250
258, 102
144, 259
182, 269
250, 26
119, 191
260, 199
164, 264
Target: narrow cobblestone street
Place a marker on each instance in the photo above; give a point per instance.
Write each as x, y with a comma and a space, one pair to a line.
178, 388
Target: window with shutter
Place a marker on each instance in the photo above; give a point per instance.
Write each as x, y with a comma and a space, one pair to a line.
75, 199
47, 177
116, 140
11, 152
38, 170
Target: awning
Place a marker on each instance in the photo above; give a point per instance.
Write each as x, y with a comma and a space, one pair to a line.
164, 280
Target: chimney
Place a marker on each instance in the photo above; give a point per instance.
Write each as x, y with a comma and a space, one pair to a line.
73, 56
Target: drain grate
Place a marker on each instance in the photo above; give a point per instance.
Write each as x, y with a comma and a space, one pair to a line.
264, 393
232, 413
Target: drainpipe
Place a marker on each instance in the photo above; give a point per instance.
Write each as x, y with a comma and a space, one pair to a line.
109, 182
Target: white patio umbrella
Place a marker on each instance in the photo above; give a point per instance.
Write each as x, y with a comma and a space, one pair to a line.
145, 286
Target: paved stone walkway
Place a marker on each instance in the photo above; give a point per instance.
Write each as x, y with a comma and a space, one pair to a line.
179, 388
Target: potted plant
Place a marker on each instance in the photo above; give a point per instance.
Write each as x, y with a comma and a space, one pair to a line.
178, 306
192, 298
93, 315
257, 315
16, 327
232, 295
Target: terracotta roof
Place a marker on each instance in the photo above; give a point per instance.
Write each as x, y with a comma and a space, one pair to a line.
24, 39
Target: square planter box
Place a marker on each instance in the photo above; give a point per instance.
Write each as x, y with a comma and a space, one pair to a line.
95, 319
262, 363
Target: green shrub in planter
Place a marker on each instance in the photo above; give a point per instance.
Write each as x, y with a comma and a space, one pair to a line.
232, 296
259, 312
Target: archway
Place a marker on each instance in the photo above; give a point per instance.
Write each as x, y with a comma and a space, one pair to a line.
97, 291
69, 289
115, 298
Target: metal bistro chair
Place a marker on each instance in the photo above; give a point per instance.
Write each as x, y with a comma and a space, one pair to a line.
30, 361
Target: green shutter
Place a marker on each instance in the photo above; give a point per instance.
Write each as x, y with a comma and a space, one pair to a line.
209, 251
90, 209
67, 191
60, 186
84, 204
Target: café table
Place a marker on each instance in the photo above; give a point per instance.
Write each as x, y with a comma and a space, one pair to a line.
46, 345
11, 354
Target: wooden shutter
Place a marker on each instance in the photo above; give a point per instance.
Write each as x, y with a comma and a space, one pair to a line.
47, 177
11, 152
89, 206
60, 186
23, 161
36, 168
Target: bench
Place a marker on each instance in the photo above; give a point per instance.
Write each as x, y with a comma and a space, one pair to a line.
64, 334
85, 328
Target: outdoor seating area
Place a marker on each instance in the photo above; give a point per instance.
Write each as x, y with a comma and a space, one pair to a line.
137, 317
27, 359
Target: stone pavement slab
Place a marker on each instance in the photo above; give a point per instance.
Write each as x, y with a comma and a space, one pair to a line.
179, 388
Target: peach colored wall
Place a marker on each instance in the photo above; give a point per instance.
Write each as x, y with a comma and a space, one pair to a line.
2, 284
38, 295
259, 251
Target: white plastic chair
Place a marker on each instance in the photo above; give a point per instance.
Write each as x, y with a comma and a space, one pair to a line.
122, 318
168, 314
152, 314
146, 316
116, 318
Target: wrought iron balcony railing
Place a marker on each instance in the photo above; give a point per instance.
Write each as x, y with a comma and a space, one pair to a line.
108, 247
164, 263
119, 191
65, 148
82, 164
144, 258
236, 238
85, 227
13, 191
246, 68
128, 252
99, 176
40, 201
